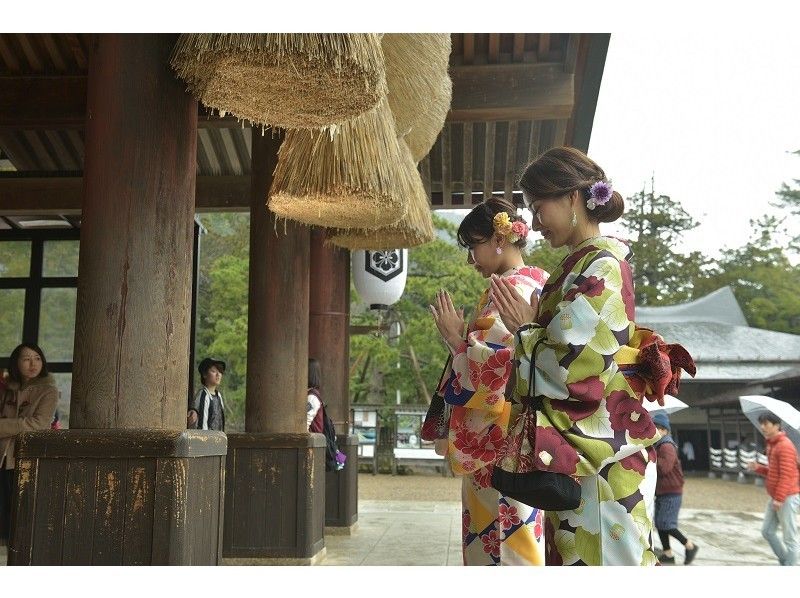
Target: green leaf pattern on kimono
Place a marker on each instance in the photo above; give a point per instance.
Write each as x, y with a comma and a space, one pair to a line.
587, 546
574, 342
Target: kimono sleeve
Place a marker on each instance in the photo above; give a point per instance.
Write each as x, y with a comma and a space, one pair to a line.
573, 351
482, 364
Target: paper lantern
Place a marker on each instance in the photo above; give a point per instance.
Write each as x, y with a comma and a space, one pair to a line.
380, 276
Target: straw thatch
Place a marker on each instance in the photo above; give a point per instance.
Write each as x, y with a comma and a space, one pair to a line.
289, 80
344, 179
416, 228
420, 89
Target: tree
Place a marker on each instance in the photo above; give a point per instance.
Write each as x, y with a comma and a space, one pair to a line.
222, 305
419, 351
789, 200
765, 283
661, 274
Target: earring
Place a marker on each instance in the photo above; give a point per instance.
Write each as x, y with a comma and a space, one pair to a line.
574, 219
499, 250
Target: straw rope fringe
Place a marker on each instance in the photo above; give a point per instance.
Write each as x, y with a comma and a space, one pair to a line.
416, 228
344, 178
420, 89
289, 80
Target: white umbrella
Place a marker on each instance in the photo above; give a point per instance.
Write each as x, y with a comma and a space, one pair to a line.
671, 405
755, 405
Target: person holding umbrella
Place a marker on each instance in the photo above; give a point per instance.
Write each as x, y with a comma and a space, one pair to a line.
783, 486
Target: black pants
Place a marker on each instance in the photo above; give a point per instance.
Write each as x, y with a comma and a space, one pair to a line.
664, 534
7, 487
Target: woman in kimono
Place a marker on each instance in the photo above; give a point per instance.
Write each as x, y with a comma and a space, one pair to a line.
592, 424
496, 529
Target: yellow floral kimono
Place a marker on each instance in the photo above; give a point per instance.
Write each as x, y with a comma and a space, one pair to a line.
496, 529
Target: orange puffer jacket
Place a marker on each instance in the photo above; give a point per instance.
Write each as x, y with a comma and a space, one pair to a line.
782, 473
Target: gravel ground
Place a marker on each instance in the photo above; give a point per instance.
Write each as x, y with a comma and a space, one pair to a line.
698, 492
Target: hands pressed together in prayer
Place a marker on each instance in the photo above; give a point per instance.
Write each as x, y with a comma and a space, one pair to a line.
513, 309
448, 319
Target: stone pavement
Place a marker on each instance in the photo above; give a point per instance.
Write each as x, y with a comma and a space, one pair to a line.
388, 531
429, 533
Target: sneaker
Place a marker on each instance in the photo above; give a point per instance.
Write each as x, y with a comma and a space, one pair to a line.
690, 554
666, 560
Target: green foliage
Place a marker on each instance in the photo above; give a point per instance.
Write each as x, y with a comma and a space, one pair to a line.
222, 306
661, 275
544, 256
766, 284
789, 200
440, 264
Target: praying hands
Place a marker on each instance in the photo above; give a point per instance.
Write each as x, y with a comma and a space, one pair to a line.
512, 307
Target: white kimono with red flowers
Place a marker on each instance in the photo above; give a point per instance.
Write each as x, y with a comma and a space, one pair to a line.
495, 529
477, 383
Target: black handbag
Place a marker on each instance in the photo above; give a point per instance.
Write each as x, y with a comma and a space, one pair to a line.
436, 424
546, 490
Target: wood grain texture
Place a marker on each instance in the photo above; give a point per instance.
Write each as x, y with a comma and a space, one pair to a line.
277, 334
328, 325
136, 240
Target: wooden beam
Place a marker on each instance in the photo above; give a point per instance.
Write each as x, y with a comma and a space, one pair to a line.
494, 47
488, 161
544, 46
518, 54
59, 102
534, 146
22, 196
425, 174
511, 159
445, 138
467, 158
469, 48
42, 102
511, 92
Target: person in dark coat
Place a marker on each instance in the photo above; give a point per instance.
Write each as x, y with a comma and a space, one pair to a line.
669, 493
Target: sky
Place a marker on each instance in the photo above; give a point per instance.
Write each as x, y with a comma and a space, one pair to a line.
711, 117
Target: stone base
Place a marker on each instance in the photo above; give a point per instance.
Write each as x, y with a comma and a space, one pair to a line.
274, 497
333, 530
341, 488
270, 562
118, 497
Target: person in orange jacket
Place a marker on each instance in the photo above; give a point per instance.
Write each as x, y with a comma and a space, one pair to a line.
783, 487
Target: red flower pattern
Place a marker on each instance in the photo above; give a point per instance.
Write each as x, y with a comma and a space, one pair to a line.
465, 521
496, 370
491, 543
565, 458
591, 287
635, 462
508, 517
457, 388
628, 414
484, 448
538, 524
483, 477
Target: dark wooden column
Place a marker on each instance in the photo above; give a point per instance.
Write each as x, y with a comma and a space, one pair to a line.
134, 288
127, 481
276, 469
277, 329
329, 343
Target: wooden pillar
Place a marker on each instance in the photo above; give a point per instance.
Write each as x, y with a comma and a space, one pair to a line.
275, 469
127, 482
329, 343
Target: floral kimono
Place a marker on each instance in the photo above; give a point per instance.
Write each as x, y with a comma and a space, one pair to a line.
592, 423
496, 529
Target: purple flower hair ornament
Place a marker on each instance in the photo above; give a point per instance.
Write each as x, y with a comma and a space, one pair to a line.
599, 194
